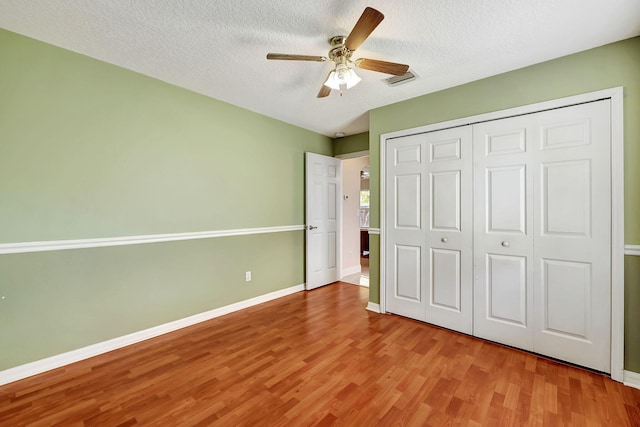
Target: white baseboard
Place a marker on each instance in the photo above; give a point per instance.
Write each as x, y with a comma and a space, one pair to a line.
351, 270
59, 360
632, 379
372, 306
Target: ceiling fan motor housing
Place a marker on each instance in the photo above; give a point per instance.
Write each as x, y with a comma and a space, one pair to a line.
339, 53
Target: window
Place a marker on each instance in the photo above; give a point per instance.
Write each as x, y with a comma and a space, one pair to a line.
364, 208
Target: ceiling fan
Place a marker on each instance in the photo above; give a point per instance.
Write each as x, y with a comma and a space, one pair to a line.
342, 47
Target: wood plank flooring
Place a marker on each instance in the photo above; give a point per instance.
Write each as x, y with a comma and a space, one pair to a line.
314, 359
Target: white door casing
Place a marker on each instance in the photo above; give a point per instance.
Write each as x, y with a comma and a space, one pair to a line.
323, 212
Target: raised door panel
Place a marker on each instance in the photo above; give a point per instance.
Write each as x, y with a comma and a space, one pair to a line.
408, 154
443, 149
445, 201
444, 283
408, 197
507, 289
316, 263
566, 198
513, 140
506, 199
566, 303
408, 270
332, 208
332, 242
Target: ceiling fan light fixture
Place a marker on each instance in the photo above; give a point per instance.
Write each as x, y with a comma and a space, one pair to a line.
342, 77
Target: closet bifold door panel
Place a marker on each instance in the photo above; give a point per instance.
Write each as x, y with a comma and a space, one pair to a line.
542, 233
572, 244
449, 237
429, 228
406, 221
503, 227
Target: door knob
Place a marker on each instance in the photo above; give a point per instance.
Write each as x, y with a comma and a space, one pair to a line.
505, 244
311, 227
444, 240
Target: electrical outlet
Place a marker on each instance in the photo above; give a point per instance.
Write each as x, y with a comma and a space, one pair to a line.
247, 276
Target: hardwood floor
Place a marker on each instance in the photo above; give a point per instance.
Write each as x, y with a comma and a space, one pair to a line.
318, 358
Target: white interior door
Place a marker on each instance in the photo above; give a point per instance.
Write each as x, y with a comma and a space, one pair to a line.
406, 224
323, 179
449, 235
543, 233
572, 255
503, 227
429, 228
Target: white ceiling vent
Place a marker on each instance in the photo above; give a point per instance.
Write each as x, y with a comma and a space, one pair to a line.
409, 76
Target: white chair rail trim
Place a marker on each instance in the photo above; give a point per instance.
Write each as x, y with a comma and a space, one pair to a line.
632, 250
58, 245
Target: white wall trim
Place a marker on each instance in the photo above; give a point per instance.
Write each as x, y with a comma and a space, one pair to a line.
617, 231
354, 155
53, 362
632, 250
632, 379
348, 271
617, 198
372, 306
57, 245
373, 230
510, 112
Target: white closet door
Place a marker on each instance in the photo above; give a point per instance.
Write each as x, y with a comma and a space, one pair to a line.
542, 233
449, 236
429, 274
406, 224
572, 258
503, 225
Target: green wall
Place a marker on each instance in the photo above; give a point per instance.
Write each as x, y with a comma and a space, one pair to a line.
608, 66
62, 300
88, 150
351, 144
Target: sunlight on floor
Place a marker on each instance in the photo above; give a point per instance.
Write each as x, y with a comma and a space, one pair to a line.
362, 278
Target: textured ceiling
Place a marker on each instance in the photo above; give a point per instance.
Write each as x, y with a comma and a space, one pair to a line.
218, 48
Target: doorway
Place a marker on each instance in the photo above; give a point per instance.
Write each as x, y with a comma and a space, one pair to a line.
355, 219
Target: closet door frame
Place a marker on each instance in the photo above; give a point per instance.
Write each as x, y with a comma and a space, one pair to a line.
617, 198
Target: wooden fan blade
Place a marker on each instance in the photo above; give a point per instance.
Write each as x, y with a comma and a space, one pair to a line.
382, 66
368, 22
324, 90
287, 57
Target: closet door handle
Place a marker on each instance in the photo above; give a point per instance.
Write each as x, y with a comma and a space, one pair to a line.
311, 227
444, 240
505, 244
